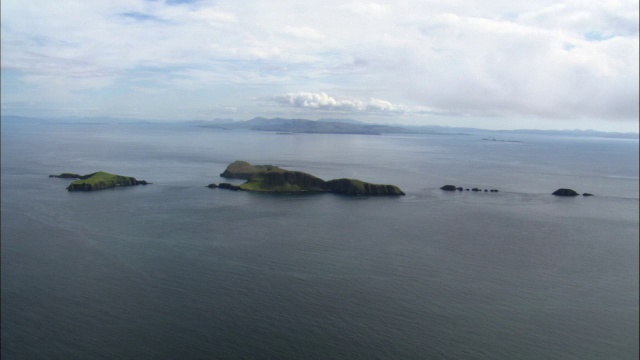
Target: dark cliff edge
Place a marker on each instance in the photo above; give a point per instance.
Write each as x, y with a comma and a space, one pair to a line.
357, 187
269, 178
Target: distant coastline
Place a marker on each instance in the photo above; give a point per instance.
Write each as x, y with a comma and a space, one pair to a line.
322, 126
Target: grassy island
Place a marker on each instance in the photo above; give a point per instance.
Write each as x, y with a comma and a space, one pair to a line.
272, 179
98, 181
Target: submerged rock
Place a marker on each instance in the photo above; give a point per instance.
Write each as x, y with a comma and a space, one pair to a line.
448, 188
587, 194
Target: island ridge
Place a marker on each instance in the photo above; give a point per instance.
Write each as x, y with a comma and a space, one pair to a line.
269, 178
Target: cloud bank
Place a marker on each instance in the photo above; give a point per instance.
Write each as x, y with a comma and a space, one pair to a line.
323, 101
574, 62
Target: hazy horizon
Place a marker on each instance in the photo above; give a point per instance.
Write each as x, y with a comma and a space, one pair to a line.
124, 120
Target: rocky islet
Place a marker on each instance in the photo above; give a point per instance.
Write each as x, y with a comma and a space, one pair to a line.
99, 180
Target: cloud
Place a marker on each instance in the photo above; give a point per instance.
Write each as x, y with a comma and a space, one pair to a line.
508, 59
213, 16
366, 8
495, 67
304, 32
323, 101
139, 16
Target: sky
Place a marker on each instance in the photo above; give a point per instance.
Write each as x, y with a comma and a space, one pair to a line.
501, 64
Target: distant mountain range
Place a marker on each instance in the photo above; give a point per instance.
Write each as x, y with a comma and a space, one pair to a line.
349, 126
321, 126
324, 126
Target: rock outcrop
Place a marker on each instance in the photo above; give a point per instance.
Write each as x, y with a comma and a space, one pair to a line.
229, 187
269, 178
99, 181
454, 188
565, 192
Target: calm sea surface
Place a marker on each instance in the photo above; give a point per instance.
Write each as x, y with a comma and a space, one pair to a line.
175, 270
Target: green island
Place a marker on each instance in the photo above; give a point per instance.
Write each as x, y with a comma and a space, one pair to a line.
98, 181
272, 179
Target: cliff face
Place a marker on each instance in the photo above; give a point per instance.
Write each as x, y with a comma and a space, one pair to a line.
268, 178
357, 187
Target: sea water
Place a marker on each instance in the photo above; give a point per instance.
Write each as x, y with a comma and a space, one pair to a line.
178, 270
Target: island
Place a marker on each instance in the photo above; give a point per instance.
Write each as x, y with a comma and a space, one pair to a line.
98, 181
273, 179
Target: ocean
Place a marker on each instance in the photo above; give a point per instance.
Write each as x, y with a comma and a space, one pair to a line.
175, 270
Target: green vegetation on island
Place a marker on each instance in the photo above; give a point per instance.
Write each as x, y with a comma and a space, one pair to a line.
272, 179
244, 170
98, 181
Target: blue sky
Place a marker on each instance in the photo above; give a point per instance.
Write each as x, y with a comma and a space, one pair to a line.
490, 64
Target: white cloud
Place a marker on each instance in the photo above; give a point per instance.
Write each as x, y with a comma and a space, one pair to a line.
323, 101
481, 66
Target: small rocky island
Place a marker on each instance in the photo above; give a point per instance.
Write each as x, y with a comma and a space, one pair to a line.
98, 181
565, 192
272, 179
568, 192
